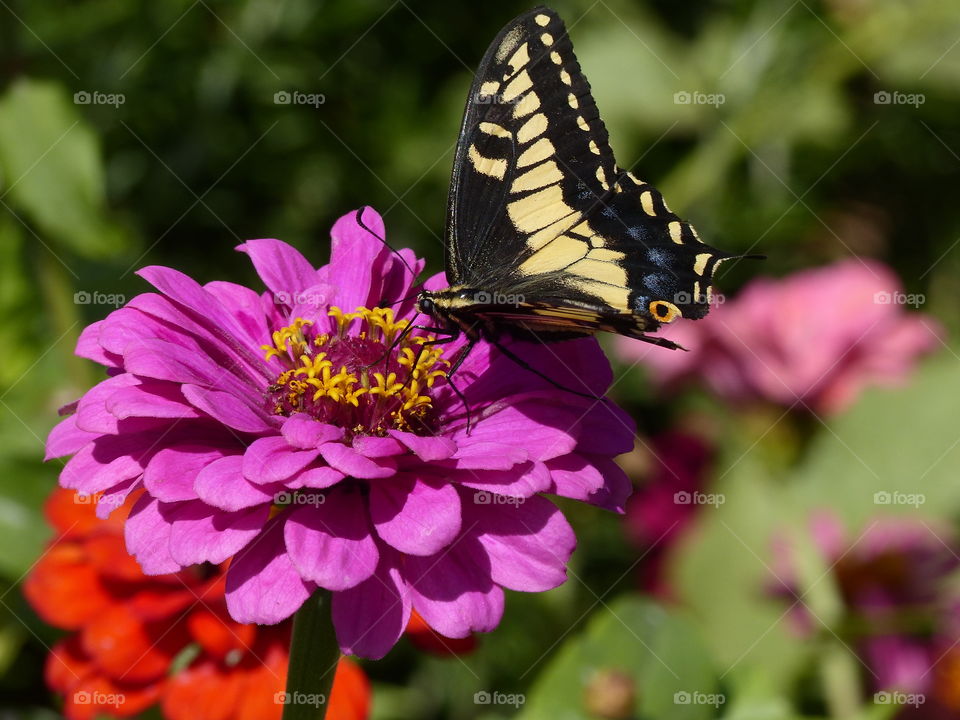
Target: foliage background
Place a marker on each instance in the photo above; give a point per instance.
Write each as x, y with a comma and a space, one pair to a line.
799, 162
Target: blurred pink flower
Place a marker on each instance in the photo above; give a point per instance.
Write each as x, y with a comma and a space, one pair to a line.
818, 337
662, 507
900, 611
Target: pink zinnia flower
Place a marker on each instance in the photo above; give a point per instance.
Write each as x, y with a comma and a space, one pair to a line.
281, 430
815, 338
901, 610
662, 508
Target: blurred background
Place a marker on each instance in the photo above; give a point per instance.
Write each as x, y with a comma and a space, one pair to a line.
791, 550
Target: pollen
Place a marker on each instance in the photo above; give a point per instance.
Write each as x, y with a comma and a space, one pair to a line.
369, 373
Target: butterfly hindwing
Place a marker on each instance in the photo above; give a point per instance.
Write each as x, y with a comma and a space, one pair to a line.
540, 213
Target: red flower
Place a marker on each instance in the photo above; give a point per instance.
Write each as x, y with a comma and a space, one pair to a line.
429, 640
131, 630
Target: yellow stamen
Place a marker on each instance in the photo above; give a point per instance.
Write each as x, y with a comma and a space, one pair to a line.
383, 399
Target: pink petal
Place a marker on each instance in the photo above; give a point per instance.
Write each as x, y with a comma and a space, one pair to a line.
115, 497
147, 532
221, 484
428, 449
359, 259
573, 476
605, 429
66, 438
350, 462
616, 488
154, 315
244, 304
171, 472
474, 455
203, 534
228, 409
150, 398
318, 478
271, 459
162, 360
329, 542
372, 446
193, 299
523, 480
541, 430
528, 544
311, 303
370, 617
453, 590
105, 462
302, 431
415, 516
88, 346
263, 586
281, 267
92, 414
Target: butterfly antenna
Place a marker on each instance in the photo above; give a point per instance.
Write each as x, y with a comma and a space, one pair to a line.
360, 222
411, 296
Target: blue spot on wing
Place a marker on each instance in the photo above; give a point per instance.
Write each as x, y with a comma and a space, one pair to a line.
659, 284
660, 257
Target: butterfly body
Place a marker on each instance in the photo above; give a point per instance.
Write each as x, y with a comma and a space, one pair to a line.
546, 237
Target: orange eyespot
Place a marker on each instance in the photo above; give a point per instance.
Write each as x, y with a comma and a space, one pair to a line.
664, 311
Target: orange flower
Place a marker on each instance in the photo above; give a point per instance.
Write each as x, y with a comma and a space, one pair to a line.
139, 640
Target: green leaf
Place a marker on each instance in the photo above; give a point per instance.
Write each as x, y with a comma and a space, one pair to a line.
658, 650
895, 452
51, 168
23, 486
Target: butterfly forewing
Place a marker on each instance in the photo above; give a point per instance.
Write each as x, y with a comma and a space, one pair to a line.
540, 213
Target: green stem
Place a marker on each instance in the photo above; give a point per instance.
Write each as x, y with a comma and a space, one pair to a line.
841, 682
314, 654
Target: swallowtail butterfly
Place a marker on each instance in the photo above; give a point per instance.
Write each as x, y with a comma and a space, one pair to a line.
546, 237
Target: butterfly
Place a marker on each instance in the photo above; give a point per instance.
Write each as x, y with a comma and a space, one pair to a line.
546, 237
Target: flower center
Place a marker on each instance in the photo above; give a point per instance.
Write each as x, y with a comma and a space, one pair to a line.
367, 377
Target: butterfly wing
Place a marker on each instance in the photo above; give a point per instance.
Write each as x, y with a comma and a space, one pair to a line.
538, 207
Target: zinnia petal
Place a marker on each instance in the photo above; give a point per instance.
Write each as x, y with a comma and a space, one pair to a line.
263, 586
329, 542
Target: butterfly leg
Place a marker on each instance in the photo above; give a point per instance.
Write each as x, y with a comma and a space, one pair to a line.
393, 346
448, 337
